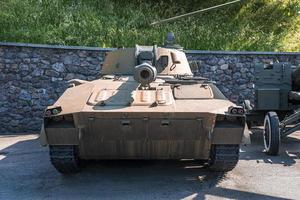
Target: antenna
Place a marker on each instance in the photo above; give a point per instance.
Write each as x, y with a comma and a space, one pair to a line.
195, 12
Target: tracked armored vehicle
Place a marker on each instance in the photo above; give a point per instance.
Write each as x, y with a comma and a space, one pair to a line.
146, 105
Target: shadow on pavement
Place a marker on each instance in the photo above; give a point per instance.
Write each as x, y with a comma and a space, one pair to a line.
27, 172
289, 150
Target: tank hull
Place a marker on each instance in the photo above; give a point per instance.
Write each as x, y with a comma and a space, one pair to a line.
145, 137
142, 135
184, 124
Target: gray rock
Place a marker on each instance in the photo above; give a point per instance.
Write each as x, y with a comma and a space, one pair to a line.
26, 60
100, 58
52, 73
32, 66
9, 55
244, 70
43, 66
59, 67
72, 68
91, 78
228, 72
12, 67
236, 75
221, 62
16, 116
92, 60
72, 60
94, 67
24, 67
267, 60
34, 60
219, 72
243, 87
80, 76
3, 109
68, 60
14, 122
53, 79
27, 79
45, 62
70, 76
35, 55
41, 91
9, 77
84, 64
2, 77
38, 72
212, 60
22, 55
239, 65
24, 95
82, 54
213, 68
224, 66
8, 61
3, 97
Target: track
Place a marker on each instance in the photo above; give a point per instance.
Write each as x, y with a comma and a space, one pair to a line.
64, 158
224, 157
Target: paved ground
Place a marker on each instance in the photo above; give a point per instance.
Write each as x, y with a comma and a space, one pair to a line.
25, 173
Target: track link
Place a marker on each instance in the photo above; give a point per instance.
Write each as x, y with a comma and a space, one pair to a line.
64, 158
224, 158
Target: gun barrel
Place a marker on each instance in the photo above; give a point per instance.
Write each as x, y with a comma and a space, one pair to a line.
145, 73
192, 13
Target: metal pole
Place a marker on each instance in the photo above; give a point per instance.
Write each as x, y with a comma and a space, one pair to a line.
192, 13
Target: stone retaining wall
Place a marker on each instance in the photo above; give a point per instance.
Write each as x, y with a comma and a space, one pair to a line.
34, 76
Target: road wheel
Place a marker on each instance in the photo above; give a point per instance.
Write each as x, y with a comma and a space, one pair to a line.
271, 134
64, 158
224, 158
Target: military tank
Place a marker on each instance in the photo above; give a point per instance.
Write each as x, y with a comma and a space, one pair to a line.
146, 105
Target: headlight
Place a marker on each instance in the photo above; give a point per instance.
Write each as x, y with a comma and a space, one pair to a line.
52, 111
236, 110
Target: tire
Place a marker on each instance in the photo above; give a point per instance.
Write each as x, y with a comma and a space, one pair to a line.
224, 158
271, 134
64, 158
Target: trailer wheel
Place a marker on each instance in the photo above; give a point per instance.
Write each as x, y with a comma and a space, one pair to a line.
271, 134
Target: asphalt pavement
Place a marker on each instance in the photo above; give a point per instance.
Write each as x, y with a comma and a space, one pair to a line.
26, 173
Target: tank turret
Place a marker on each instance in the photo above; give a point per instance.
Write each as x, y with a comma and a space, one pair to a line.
147, 62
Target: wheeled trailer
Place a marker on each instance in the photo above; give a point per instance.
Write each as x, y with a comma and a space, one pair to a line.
276, 103
274, 129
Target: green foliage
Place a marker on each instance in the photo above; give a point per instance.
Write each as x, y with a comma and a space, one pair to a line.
260, 25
